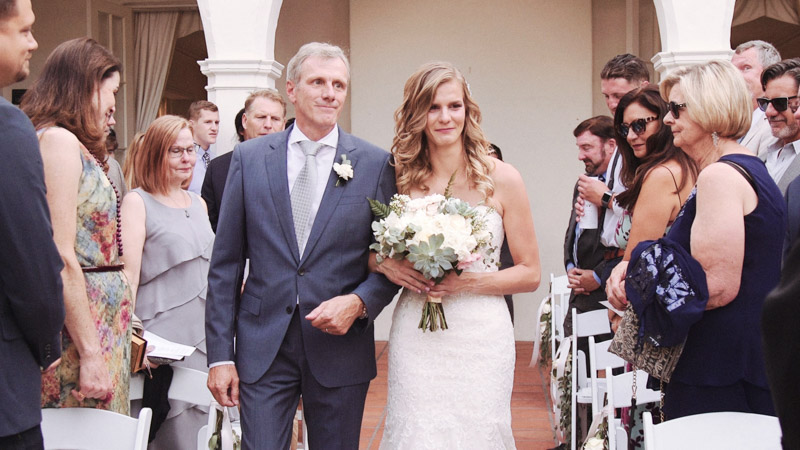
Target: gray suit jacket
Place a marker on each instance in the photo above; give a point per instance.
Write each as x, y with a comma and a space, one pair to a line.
31, 301
791, 173
256, 219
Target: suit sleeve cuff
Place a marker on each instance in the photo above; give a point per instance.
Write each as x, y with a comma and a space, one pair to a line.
220, 363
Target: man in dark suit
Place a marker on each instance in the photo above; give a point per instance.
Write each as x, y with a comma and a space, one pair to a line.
31, 302
264, 113
583, 251
793, 215
781, 336
304, 322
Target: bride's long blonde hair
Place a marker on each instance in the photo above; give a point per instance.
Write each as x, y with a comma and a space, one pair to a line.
410, 145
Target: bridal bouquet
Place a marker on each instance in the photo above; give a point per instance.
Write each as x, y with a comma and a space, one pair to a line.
438, 233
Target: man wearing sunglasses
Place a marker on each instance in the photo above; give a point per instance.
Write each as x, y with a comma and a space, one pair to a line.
751, 58
780, 101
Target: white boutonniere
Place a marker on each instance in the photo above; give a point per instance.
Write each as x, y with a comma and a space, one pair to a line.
343, 170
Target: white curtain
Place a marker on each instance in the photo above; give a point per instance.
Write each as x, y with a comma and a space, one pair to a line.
783, 10
156, 33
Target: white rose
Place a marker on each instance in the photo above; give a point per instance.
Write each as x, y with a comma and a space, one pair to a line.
345, 171
594, 443
546, 308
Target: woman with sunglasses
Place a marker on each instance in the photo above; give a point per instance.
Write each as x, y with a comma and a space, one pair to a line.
168, 241
733, 224
657, 175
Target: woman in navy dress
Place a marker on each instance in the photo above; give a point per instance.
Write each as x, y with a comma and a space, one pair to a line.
733, 223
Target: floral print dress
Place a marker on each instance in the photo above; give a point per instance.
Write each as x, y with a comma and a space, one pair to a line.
108, 293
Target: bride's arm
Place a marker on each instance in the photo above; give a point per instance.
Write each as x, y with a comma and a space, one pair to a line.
401, 273
525, 275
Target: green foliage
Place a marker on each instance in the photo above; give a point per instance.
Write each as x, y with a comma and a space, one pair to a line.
380, 210
431, 259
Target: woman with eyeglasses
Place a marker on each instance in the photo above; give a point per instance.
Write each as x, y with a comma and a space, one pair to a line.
733, 224
657, 175
72, 107
168, 241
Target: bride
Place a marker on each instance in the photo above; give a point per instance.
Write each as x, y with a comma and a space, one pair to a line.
452, 388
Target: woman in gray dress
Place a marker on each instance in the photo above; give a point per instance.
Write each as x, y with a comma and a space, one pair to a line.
168, 241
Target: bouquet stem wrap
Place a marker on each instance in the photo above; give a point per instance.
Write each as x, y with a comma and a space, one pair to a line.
432, 315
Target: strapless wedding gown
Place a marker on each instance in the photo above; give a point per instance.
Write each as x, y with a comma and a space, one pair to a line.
451, 389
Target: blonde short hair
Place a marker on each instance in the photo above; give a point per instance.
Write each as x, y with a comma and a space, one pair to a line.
716, 97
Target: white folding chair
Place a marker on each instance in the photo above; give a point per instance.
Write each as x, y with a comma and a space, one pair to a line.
600, 359
619, 389
585, 324
94, 429
713, 431
560, 292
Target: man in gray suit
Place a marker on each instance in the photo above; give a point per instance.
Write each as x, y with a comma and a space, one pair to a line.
780, 102
31, 302
304, 322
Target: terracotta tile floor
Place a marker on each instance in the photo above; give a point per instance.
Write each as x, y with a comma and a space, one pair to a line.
529, 411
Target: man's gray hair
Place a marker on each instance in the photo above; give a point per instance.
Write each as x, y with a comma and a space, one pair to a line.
767, 53
323, 50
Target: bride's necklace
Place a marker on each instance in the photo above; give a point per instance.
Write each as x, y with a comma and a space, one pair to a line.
177, 204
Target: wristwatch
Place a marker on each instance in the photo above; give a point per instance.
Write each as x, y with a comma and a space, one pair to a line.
606, 199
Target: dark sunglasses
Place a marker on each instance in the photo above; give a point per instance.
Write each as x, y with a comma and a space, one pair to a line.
675, 109
779, 103
638, 126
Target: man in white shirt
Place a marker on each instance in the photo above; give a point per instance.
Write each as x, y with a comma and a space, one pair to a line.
780, 102
621, 74
204, 117
751, 58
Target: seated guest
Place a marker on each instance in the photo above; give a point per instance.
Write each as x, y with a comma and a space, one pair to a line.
72, 107
168, 243
733, 224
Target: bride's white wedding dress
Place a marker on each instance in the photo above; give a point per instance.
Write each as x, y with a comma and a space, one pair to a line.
451, 389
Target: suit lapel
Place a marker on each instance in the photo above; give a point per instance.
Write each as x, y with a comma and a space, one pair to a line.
791, 173
279, 189
333, 193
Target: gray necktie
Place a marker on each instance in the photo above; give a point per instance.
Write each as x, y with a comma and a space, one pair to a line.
303, 192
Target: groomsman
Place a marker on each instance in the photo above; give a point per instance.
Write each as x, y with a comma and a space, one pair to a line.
31, 302
204, 117
264, 113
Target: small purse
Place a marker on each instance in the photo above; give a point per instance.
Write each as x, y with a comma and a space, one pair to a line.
659, 362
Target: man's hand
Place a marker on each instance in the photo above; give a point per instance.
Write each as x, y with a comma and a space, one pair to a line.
223, 382
591, 189
335, 316
582, 281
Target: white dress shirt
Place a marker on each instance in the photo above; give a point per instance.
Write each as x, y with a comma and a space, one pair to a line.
779, 157
613, 215
199, 171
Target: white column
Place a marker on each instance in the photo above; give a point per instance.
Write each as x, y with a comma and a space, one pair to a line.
240, 37
692, 32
